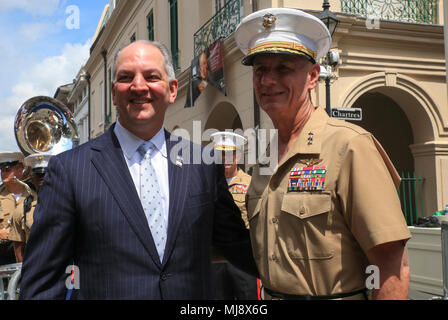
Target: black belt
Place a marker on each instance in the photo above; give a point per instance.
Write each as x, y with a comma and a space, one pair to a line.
284, 296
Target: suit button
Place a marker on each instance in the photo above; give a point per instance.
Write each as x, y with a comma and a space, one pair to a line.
275, 220
164, 276
302, 210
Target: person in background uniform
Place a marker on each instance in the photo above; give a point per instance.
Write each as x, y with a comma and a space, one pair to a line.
230, 282
330, 208
12, 196
21, 222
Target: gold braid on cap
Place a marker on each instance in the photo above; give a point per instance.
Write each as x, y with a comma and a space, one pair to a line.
224, 147
291, 47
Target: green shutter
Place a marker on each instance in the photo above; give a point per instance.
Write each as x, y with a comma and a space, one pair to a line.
151, 26
174, 33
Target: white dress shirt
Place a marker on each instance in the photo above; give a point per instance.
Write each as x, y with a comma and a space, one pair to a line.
229, 180
129, 144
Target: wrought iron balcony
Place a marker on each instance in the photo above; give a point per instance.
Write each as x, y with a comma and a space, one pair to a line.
417, 11
221, 25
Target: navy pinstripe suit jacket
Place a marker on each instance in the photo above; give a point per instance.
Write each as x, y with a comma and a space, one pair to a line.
89, 213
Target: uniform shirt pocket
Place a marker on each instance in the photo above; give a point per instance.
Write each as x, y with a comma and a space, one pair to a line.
304, 224
239, 199
306, 205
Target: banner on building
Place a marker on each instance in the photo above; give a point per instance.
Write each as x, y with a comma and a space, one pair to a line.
206, 69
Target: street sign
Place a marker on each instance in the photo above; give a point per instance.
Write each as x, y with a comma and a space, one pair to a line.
354, 114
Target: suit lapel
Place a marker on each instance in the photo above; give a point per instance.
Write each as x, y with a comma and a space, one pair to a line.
178, 176
111, 165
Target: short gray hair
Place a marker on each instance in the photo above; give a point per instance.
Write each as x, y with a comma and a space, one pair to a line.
168, 61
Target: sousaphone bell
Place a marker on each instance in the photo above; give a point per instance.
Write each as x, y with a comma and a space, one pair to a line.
45, 125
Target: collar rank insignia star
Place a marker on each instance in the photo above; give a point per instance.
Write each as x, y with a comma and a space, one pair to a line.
310, 178
268, 20
310, 138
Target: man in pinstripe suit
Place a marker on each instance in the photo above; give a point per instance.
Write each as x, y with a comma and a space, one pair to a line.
90, 212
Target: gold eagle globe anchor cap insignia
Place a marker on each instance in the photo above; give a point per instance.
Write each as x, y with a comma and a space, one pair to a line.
268, 20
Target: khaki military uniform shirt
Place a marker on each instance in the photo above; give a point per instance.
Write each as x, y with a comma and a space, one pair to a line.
20, 231
310, 231
8, 205
238, 188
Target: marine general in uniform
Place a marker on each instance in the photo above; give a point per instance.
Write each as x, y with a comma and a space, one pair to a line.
22, 221
330, 208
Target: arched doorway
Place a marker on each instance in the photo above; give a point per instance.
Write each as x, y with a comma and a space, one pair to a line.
385, 119
404, 118
223, 116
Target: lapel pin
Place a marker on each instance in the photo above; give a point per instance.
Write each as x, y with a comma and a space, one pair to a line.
179, 161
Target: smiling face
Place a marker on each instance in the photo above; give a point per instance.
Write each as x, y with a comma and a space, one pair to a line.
282, 83
142, 91
230, 163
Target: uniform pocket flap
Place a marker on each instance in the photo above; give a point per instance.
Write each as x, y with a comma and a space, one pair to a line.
304, 205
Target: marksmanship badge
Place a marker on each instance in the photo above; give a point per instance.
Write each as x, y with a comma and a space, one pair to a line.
310, 162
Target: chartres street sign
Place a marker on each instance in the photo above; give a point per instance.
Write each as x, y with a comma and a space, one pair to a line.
354, 114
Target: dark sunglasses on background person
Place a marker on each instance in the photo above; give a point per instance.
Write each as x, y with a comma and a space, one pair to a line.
8, 165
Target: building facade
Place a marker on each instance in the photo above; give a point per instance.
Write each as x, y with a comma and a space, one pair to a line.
79, 99
392, 68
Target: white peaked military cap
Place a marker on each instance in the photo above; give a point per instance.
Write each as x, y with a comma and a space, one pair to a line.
8, 159
282, 31
227, 141
37, 160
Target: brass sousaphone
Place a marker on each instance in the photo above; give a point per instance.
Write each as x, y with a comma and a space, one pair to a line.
45, 125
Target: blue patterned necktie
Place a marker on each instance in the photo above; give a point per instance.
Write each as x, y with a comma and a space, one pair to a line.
151, 198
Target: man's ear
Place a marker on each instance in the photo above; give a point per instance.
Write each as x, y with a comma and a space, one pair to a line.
314, 76
173, 90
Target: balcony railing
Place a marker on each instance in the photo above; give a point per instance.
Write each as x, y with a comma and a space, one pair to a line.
410, 193
221, 25
417, 11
